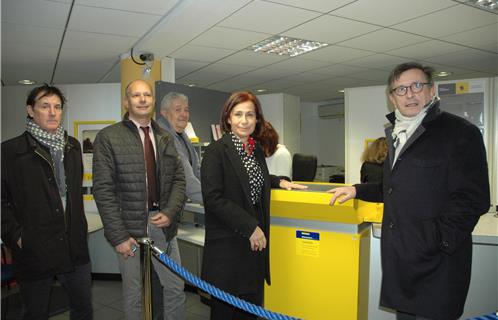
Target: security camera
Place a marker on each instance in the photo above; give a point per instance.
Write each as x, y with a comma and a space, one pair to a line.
147, 57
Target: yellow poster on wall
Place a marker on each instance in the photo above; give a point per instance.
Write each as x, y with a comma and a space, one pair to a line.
462, 87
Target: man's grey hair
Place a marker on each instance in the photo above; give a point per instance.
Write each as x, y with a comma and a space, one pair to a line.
170, 97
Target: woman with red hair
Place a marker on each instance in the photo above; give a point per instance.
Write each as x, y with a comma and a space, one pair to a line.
236, 191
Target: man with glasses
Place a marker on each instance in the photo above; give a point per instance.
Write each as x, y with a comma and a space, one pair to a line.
434, 189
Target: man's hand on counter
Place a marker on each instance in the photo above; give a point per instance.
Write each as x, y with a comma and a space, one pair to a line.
346, 193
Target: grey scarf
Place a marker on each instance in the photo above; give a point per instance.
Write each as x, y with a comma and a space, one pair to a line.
55, 142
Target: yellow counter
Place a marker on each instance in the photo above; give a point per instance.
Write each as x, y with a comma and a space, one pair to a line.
319, 254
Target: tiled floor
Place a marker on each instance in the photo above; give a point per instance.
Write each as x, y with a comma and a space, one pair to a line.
108, 303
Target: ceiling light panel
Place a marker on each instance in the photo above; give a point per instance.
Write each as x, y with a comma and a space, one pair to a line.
286, 46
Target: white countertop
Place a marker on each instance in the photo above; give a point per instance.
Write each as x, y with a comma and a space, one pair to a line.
190, 233
486, 230
94, 222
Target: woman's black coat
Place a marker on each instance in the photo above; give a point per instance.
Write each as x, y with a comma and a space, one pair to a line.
433, 197
230, 219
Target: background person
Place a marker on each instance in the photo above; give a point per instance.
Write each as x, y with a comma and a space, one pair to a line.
43, 220
373, 159
139, 188
176, 114
236, 190
435, 187
278, 158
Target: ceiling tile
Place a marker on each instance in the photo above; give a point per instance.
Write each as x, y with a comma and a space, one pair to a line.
379, 76
156, 7
98, 42
183, 67
278, 84
298, 64
389, 12
448, 21
229, 38
481, 38
335, 54
228, 69
33, 70
249, 58
262, 17
470, 59
200, 53
383, 40
322, 29
187, 21
30, 35
24, 53
99, 20
38, 13
426, 49
377, 61
339, 70
203, 78
307, 77
315, 5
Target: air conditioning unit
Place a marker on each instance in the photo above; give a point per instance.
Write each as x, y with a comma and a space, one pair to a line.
331, 111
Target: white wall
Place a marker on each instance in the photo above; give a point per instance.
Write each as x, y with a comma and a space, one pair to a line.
365, 110
283, 111
322, 137
85, 102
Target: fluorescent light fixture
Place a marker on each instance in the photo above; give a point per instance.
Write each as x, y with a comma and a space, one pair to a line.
489, 5
443, 74
191, 85
26, 81
286, 46
341, 91
261, 90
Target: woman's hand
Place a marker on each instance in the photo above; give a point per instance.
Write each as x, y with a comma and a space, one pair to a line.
258, 240
284, 184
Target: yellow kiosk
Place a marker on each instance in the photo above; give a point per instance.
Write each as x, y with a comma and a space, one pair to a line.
319, 254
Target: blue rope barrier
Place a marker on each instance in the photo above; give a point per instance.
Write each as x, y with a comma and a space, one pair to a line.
215, 292
491, 316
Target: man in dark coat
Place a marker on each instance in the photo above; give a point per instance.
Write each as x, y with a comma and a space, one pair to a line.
43, 221
435, 187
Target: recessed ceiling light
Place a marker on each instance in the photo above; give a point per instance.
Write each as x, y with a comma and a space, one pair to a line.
26, 81
285, 46
341, 91
261, 90
443, 74
191, 85
489, 5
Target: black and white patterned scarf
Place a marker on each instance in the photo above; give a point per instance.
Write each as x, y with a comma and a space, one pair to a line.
55, 142
253, 169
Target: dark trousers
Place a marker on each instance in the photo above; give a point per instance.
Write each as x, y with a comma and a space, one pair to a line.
223, 311
78, 284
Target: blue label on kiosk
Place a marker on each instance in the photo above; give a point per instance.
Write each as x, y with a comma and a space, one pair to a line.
307, 235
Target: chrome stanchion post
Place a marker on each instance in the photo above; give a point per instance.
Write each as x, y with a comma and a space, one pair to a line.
145, 269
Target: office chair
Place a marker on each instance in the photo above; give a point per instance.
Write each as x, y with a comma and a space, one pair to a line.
303, 167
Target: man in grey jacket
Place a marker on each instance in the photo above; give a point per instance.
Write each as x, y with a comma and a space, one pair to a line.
175, 113
139, 188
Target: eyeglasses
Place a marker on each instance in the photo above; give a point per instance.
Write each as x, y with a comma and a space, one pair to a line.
415, 87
